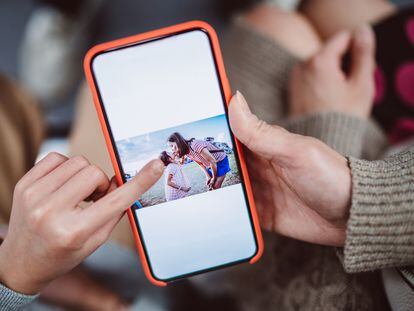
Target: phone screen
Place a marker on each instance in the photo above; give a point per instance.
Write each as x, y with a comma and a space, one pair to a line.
163, 99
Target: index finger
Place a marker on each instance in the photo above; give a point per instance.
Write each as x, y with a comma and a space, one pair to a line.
336, 46
46, 165
117, 201
363, 55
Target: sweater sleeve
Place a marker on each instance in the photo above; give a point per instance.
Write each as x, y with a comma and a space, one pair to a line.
380, 231
342, 133
259, 67
346, 134
11, 300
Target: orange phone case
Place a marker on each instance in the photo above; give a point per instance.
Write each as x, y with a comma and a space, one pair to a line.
226, 87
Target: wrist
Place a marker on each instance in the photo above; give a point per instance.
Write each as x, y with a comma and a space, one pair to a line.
13, 276
346, 198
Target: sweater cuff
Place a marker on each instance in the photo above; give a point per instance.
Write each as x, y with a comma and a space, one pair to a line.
380, 230
11, 300
375, 141
343, 133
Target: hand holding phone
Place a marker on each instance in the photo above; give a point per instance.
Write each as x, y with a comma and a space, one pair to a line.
303, 186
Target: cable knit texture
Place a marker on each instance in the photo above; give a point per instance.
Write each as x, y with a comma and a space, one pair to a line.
11, 300
381, 226
344, 133
341, 132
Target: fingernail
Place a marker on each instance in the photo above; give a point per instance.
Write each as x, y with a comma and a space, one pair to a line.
242, 102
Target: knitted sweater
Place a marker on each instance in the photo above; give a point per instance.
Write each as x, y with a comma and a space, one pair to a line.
11, 300
380, 231
381, 225
259, 68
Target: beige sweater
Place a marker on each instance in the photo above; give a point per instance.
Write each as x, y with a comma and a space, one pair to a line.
300, 276
380, 231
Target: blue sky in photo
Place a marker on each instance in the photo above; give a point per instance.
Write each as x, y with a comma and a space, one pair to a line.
135, 152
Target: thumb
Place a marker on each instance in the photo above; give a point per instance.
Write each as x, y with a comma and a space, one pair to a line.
266, 140
363, 55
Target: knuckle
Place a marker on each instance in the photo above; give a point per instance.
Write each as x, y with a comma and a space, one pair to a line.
55, 156
36, 217
27, 195
315, 63
68, 239
96, 173
314, 148
80, 160
260, 128
19, 188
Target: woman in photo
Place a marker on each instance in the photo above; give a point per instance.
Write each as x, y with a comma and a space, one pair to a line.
176, 183
213, 161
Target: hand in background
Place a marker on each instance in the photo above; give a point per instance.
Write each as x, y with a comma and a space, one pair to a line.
320, 84
49, 234
302, 188
77, 290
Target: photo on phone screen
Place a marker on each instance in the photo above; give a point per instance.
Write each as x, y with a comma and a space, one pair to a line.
186, 152
163, 99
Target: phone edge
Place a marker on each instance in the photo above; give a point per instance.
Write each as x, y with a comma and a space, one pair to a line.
97, 49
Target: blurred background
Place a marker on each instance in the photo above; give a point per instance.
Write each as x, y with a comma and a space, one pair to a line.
42, 47
44, 41
36, 34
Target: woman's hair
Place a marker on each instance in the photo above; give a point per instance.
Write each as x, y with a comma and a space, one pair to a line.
165, 158
182, 144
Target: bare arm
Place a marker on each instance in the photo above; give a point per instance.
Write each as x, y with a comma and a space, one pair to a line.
175, 186
171, 183
203, 168
211, 160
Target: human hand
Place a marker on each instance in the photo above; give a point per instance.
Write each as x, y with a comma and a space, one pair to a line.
187, 189
320, 84
211, 183
49, 233
77, 290
302, 188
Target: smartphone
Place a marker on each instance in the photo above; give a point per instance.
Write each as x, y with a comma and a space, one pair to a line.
164, 94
